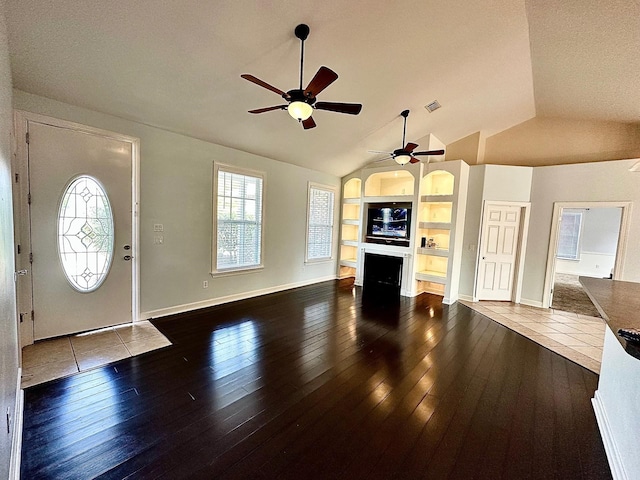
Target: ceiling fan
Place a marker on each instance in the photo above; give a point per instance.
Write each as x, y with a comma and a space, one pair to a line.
302, 102
406, 154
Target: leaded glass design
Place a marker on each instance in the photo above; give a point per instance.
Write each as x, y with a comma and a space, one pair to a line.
85, 234
239, 221
320, 223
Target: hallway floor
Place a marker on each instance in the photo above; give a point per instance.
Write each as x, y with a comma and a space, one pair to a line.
58, 357
577, 337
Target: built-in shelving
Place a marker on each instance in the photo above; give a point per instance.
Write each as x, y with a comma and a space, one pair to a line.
441, 207
350, 227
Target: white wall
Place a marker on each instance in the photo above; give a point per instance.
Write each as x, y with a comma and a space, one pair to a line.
8, 322
598, 243
585, 182
176, 190
488, 182
616, 404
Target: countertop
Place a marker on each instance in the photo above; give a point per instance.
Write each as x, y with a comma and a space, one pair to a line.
619, 304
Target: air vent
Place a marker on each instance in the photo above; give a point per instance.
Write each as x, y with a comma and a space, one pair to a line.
433, 106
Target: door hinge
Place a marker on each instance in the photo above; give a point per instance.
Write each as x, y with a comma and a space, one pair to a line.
27, 138
29, 198
33, 315
17, 176
19, 249
31, 258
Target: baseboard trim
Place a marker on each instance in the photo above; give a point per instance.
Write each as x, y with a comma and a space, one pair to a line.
531, 303
615, 462
16, 441
466, 298
187, 307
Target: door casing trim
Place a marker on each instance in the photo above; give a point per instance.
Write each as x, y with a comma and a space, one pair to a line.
553, 241
21, 122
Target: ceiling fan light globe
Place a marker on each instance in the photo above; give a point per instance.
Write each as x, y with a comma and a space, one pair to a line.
300, 110
402, 159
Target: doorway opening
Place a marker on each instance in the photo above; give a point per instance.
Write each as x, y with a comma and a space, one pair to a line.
587, 239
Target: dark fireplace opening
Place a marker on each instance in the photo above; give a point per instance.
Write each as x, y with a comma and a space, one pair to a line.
382, 277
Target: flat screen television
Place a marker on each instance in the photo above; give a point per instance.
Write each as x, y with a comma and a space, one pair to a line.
389, 222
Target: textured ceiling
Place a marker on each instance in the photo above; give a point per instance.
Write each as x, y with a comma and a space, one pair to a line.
177, 65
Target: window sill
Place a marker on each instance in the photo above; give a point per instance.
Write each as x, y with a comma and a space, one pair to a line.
319, 260
236, 271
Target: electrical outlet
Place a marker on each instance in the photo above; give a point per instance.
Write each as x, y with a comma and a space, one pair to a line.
205, 284
158, 239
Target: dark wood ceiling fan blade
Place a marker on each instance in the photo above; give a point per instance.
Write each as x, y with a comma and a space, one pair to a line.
268, 109
414, 160
389, 157
430, 152
263, 84
349, 108
410, 147
308, 123
322, 79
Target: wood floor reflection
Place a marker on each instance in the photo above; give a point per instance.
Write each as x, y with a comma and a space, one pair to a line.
311, 383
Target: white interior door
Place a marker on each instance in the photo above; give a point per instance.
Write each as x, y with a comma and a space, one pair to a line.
498, 252
81, 229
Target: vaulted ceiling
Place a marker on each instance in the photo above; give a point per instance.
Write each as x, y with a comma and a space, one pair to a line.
177, 66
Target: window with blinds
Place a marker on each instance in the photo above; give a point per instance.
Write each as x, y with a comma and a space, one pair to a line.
320, 222
569, 236
238, 219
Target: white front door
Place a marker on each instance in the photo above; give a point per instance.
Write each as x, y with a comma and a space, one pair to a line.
498, 251
81, 229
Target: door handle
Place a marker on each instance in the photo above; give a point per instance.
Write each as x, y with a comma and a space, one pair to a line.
19, 273
127, 257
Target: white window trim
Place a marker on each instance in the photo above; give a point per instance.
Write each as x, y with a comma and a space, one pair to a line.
331, 258
577, 257
214, 237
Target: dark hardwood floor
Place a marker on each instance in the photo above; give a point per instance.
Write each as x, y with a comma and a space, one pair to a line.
315, 383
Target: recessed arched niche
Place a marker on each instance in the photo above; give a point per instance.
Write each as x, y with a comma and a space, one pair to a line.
352, 188
437, 182
386, 184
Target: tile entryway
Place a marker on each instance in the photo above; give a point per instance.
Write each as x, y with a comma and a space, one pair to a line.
578, 338
50, 359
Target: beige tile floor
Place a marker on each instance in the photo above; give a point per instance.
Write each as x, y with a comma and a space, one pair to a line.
49, 359
576, 337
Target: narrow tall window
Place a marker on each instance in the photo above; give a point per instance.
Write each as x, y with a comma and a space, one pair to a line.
237, 219
569, 237
320, 222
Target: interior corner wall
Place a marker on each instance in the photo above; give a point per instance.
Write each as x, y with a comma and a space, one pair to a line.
176, 191
466, 149
588, 182
8, 321
552, 141
488, 182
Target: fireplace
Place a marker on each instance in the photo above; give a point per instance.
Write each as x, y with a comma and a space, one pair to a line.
382, 276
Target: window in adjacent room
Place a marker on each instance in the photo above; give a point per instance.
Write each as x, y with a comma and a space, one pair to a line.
320, 222
237, 206
569, 236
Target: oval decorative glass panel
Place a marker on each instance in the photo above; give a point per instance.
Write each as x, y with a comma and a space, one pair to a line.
85, 233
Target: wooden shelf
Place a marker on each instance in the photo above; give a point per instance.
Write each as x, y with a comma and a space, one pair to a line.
437, 252
350, 221
436, 198
353, 200
436, 225
348, 262
432, 276
351, 243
